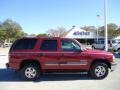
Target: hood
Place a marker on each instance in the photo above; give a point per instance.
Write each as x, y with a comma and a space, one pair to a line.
97, 52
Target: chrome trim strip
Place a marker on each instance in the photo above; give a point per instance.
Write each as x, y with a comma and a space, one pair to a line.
82, 62
51, 64
71, 64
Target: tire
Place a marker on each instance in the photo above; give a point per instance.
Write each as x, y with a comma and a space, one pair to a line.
118, 50
30, 72
99, 70
93, 47
103, 48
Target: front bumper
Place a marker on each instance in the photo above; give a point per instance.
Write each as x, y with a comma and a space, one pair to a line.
113, 66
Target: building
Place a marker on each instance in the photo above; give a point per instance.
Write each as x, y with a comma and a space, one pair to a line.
81, 35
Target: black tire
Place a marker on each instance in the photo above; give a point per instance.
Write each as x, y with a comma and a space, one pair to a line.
93, 47
99, 70
103, 48
118, 50
30, 72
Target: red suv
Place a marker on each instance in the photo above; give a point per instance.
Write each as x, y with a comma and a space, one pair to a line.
36, 55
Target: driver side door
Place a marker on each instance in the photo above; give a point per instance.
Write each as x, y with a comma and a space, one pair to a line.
72, 56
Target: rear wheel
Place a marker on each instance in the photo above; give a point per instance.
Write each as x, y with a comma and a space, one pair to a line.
30, 72
99, 70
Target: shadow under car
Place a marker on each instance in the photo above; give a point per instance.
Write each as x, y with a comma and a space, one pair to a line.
13, 76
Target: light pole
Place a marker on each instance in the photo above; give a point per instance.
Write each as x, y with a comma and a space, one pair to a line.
97, 28
97, 35
105, 23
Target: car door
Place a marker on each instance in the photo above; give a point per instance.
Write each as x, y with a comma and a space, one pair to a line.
99, 44
49, 57
96, 44
72, 56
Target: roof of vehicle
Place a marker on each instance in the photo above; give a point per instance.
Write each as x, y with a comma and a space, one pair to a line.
44, 37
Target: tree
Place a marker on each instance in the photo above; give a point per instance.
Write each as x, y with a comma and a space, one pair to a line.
11, 29
118, 32
42, 35
89, 28
58, 32
32, 35
112, 30
2, 36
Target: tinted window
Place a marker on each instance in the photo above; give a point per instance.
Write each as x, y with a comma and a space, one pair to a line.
68, 45
114, 41
49, 45
109, 42
95, 42
102, 42
24, 44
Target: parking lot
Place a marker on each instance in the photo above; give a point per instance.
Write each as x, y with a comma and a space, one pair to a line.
10, 80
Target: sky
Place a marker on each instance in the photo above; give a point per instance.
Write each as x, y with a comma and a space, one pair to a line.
38, 16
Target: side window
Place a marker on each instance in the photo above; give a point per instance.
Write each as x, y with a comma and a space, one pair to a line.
49, 45
109, 42
24, 44
96, 42
69, 45
102, 42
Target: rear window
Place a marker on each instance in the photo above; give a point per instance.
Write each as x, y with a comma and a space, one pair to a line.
24, 44
49, 45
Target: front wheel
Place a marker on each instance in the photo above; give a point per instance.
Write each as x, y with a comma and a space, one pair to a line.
99, 71
93, 47
103, 48
30, 72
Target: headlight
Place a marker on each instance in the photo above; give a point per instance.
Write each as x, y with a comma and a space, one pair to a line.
114, 61
113, 57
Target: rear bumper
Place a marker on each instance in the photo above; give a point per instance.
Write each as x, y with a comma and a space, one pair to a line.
113, 66
7, 65
14, 65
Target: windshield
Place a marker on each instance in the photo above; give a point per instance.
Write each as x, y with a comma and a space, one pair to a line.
115, 41
81, 45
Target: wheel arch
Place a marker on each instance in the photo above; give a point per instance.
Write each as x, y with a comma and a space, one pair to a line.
29, 61
118, 49
101, 61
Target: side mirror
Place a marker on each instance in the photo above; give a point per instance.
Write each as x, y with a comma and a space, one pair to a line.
78, 50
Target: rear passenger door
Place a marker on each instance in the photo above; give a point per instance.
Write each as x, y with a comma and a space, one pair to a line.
49, 57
